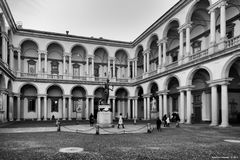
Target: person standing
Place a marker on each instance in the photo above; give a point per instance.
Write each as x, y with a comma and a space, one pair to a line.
158, 123
120, 121
91, 120
168, 121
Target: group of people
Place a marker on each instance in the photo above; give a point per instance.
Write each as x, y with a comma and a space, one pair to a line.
166, 121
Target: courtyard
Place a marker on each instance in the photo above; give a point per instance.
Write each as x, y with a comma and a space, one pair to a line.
197, 141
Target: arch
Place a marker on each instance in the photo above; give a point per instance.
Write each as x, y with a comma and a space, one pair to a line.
101, 47
151, 39
139, 47
27, 83
191, 10
50, 85
121, 57
76, 90
28, 39
55, 42
2, 22
22, 89
194, 70
227, 66
150, 86
2, 81
97, 88
169, 78
137, 90
121, 89
80, 45
115, 93
167, 27
85, 89
122, 50
9, 85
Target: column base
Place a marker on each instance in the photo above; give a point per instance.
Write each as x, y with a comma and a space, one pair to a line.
38, 119
211, 48
64, 119
213, 124
221, 45
224, 125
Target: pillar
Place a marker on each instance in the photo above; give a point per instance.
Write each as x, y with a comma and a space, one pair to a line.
11, 58
129, 69
39, 108
87, 67
159, 54
109, 68
148, 61
92, 105
114, 108
144, 63
129, 109
214, 106
223, 20
188, 40
160, 106
189, 106
224, 100
212, 26
69, 108
45, 108
64, 108
87, 108
11, 110
133, 108
93, 66
39, 62
164, 52
181, 112
180, 47
135, 67
114, 65
165, 103
136, 108
145, 108
45, 63
19, 60
18, 107
64, 64
148, 107
4, 47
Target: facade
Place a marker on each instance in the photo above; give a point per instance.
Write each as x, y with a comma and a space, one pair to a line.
188, 62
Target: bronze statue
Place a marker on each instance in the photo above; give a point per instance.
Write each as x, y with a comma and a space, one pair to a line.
106, 92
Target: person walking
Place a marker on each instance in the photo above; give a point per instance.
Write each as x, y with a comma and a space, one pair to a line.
158, 123
91, 120
164, 120
120, 121
168, 121
177, 120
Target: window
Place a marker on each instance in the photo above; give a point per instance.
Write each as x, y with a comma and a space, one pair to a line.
76, 70
31, 105
31, 66
54, 65
196, 46
54, 105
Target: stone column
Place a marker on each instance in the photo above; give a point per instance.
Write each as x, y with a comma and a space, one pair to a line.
87, 67
70, 108
92, 105
148, 108
64, 65
148, 60
114, 65
214, 106
45, 63
136, 108
223, 20
164, 52
189, 106
181, 112
212, 27
159, 54
92, 66
19, 61
11, 110
180, 56
39, 62
165, 103
39, 108
129, 109
45, 108
188, 39
87, 108
109, 68
144, 63
18, 107
11, 57
135, 67
224, 100
4, 47
64, 108
160, 106
114, 108
129, 68
70, 65
133, 108
145, 108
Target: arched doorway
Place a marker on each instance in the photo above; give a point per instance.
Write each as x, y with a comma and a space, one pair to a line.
153, 53
201, 96
121, 103
139, 53
154, 101
78, 61
233, 93
29, 106
79, 103
140, 105
55, 103
100, 63
98, 94
121, 64
173, 96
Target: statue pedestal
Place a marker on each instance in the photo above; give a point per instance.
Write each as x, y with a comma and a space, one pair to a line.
104, 116
154, 115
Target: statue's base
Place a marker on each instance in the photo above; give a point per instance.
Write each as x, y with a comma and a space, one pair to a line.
104, 118
154, 115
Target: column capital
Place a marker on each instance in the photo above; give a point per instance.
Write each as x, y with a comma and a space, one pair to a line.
17, 49
112, 97
185, 26
147, 95
161, 41
67, 96
11, 47
186, 88
90, 56
42, 52
219, 82
147, 51
42, 95
17, 95
218, 4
